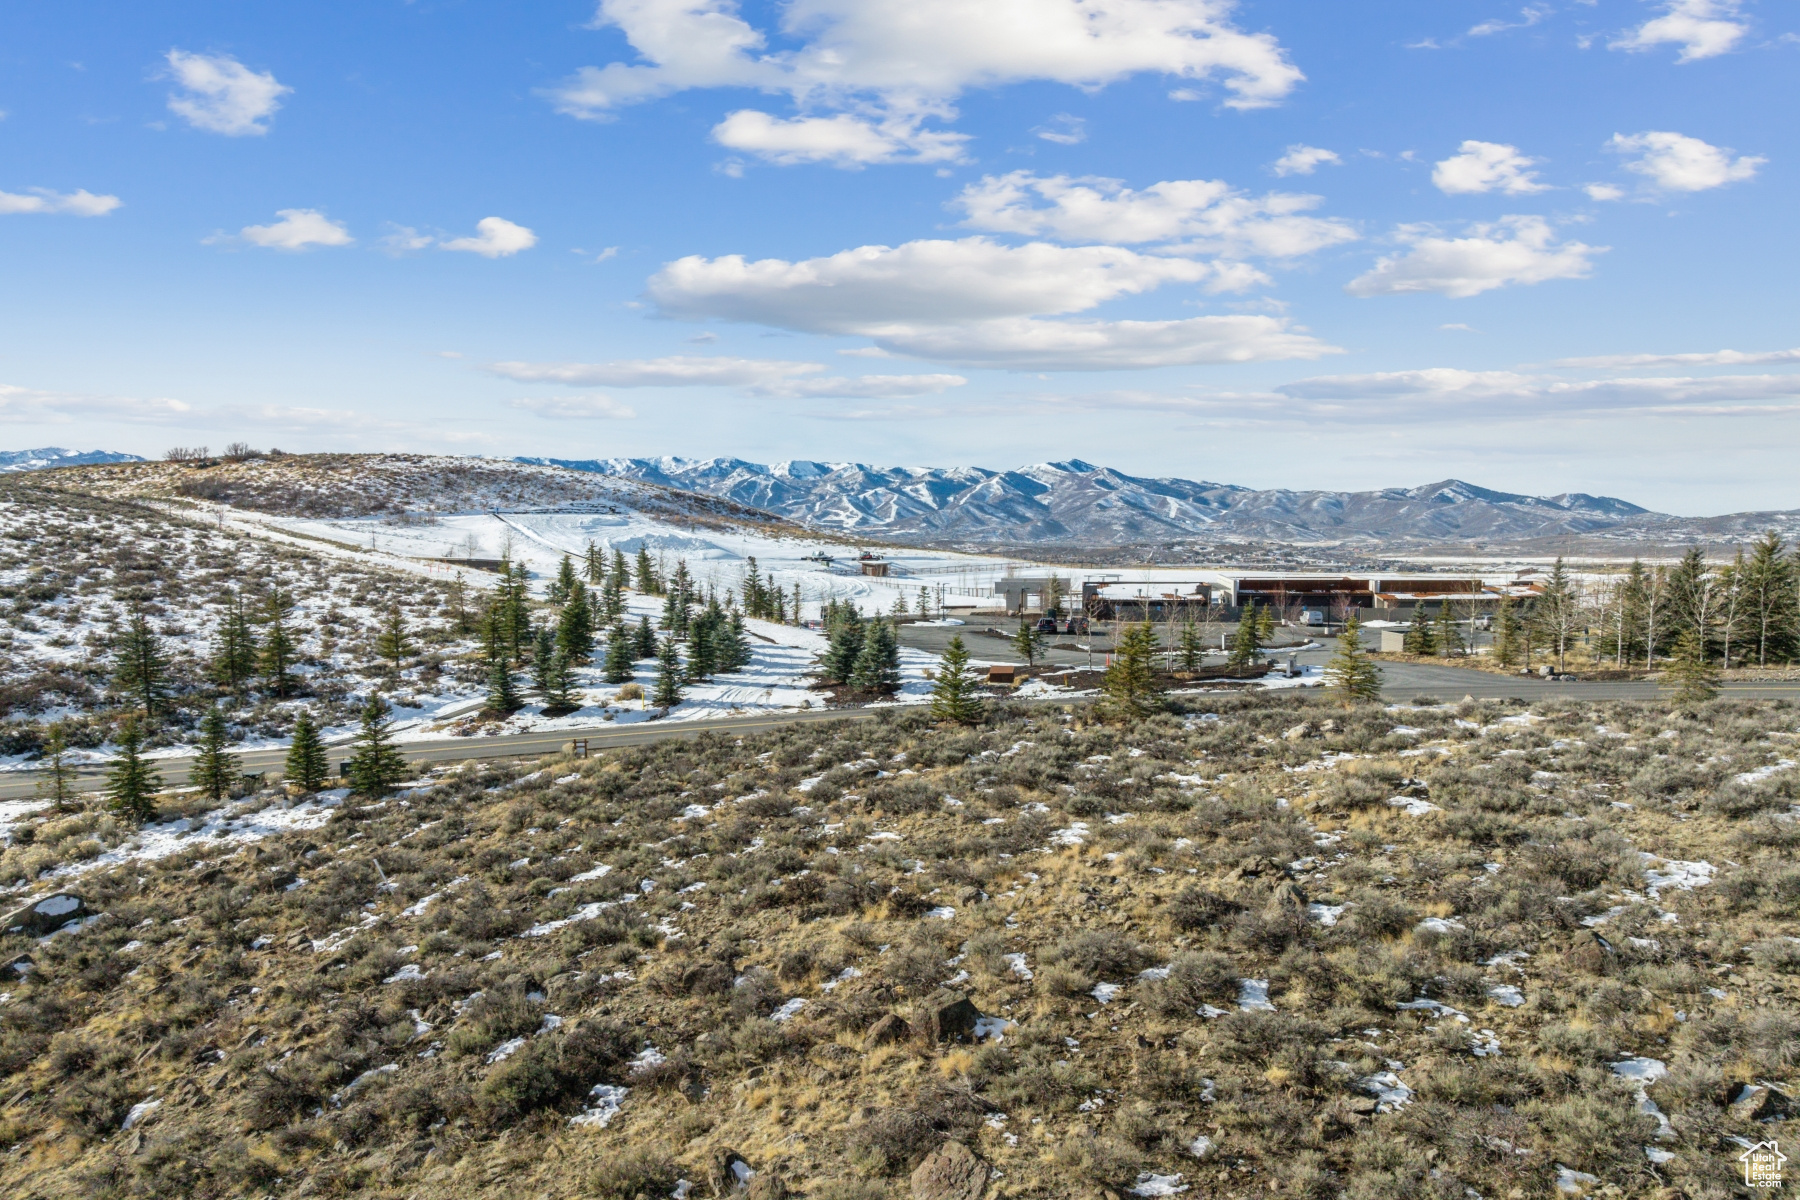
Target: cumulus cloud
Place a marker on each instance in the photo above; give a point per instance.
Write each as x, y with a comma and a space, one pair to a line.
1710, 358
1064, 130
975, 302
297, 229
495, 237
680, 370
1513, 250
1674, 162
885, 60
575, 408
36, 406
860, 387
842, 140
1304, 160
1702, 28
79, 203
1486, 167
1603, 191
1208, 215
219, 94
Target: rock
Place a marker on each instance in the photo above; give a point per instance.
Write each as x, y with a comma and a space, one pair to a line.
726, 1171
891, 1028
707, 979
1288, 896
1298, 732
47, 915
951, 1172
948, 1016
1758, 1102
1591, 953
16, 968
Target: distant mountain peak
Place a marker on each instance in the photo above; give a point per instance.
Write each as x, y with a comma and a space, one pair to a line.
1078, 503
46, 457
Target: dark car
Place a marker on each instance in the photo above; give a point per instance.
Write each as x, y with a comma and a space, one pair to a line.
1046, 625
1078, 625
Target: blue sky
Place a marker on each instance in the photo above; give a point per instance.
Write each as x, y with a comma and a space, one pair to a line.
1544, 247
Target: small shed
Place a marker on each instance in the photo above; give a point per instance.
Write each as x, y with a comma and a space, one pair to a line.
1393, 641
874, 566
1003, 674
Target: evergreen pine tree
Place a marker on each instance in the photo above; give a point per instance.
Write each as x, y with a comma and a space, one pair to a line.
391, 644
796, 609
620, 651
1265, 624
1025, 642
307, 765
1246, 643
575, 626
543, 649
703, 643
647, 583
595, 565
55, 777
215, 768
845, 644
234, 646
140, 670
756, 602
559, 685
646, 640
459, 605
518, 611
502, 696
131, 782
278, 644
668, 675
1696, 679
924, 602
953, 695
877, 667
565, 581
738, 640
1193, 649
1444, 631
375, 764
1506, 633
1130, 685
620, 574
1351, 674
1421, 638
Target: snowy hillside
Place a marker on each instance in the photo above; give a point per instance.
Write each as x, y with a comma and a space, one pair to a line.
46, 457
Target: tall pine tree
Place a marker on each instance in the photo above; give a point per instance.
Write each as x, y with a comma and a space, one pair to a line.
502, 695
140, 669
668, 676
1025, 642
375, 763
877, 667
646, 639
307, 765
1130, 685
1351, 674
1192, 647
621, 650
1246, 643
1421, 638
234, 646
559, 685
131, 782
215, 768
575, 626
595, 564
953, 695
391, 643
55, 775
278, 649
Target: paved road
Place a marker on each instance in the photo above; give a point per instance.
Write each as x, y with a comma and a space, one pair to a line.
1400, 681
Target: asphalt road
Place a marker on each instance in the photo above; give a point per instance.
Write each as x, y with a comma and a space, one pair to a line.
1400, 681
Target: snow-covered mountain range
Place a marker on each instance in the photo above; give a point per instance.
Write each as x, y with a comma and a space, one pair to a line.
1078, 503
46, 457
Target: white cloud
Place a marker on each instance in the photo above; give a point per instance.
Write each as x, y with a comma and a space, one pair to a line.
1530, 15
1677, 163
404, 238
908, 60
79, 203
1702, 28
1513, 250
861, 387
1486, 167
297, 229
1209, 215
1026, 344
1304, 160
496, 237
974, 302
841, 140
221, 95
576, 408
1711, 358
1603, 191
1448, 393
1064, 130
36, 406
680, 370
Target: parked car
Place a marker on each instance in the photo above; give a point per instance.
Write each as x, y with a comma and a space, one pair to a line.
1078, 625
1046, 625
